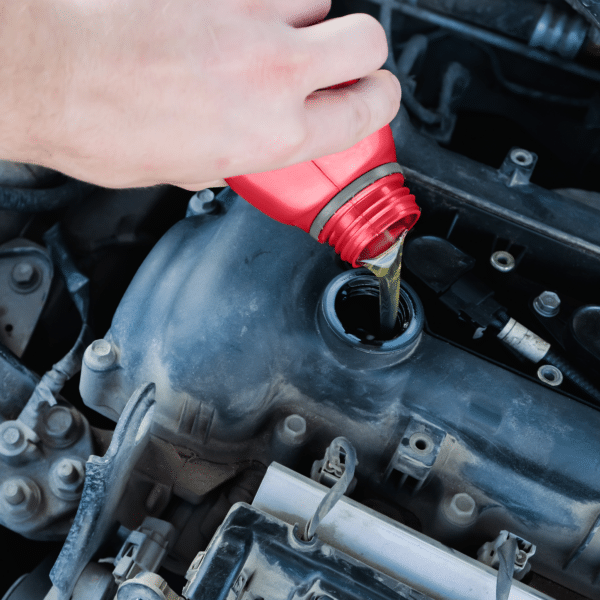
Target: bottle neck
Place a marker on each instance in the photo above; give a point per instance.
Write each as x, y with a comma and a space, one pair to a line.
372, 221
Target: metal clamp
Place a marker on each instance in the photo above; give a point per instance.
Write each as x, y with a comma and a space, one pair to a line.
341, 486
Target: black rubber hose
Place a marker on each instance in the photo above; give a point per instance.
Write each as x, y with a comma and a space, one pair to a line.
44, 199
572, 374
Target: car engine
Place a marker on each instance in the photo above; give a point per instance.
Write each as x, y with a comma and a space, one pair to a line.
196, 403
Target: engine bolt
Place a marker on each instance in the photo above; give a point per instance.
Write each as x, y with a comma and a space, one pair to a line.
13, 492
58, 421
13, 442
20, 498
66, 478
547, 304
521, 558
23, 273
202, 203
62, 427
12, 436
66, 471
100, 355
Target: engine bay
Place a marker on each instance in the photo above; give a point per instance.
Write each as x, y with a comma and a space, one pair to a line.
196, 402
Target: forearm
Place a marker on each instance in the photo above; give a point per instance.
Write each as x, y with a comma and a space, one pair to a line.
32, 80
128, 94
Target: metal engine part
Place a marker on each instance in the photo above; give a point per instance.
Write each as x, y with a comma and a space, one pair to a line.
238, 430
246, 344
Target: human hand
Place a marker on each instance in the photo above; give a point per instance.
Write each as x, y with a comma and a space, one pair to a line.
128, 94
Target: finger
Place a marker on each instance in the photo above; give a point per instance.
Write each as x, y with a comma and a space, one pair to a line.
341, 49
338, 119
301, 13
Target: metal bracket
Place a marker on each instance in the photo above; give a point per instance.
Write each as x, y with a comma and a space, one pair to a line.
342, 485
105, 482
417, 452
489, 555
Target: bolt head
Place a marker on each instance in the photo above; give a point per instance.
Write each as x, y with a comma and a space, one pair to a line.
100, 355
23, 273
13, 492
20, 498
66, 478
12, 436
58, 421
202, 203
67, 471
547, 304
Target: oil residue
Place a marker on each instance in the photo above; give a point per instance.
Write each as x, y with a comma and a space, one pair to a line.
386, 267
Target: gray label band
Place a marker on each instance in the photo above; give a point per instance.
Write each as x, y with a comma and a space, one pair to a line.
349, 192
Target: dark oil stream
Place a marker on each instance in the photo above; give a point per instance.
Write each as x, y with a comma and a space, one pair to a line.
386, 267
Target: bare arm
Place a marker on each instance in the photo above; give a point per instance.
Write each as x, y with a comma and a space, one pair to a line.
187, 92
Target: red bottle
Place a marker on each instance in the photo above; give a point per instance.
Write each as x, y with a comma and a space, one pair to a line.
355, 200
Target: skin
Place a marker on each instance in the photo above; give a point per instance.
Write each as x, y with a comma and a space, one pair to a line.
130, 93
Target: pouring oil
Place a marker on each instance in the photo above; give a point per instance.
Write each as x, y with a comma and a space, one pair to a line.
386, 267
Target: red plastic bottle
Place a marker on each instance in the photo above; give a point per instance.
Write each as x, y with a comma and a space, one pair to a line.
355, 200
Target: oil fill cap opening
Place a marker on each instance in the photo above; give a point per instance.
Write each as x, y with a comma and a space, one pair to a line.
348, 320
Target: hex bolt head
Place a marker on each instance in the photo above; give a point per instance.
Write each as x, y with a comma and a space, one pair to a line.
25, 277
100, 355
547, 304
